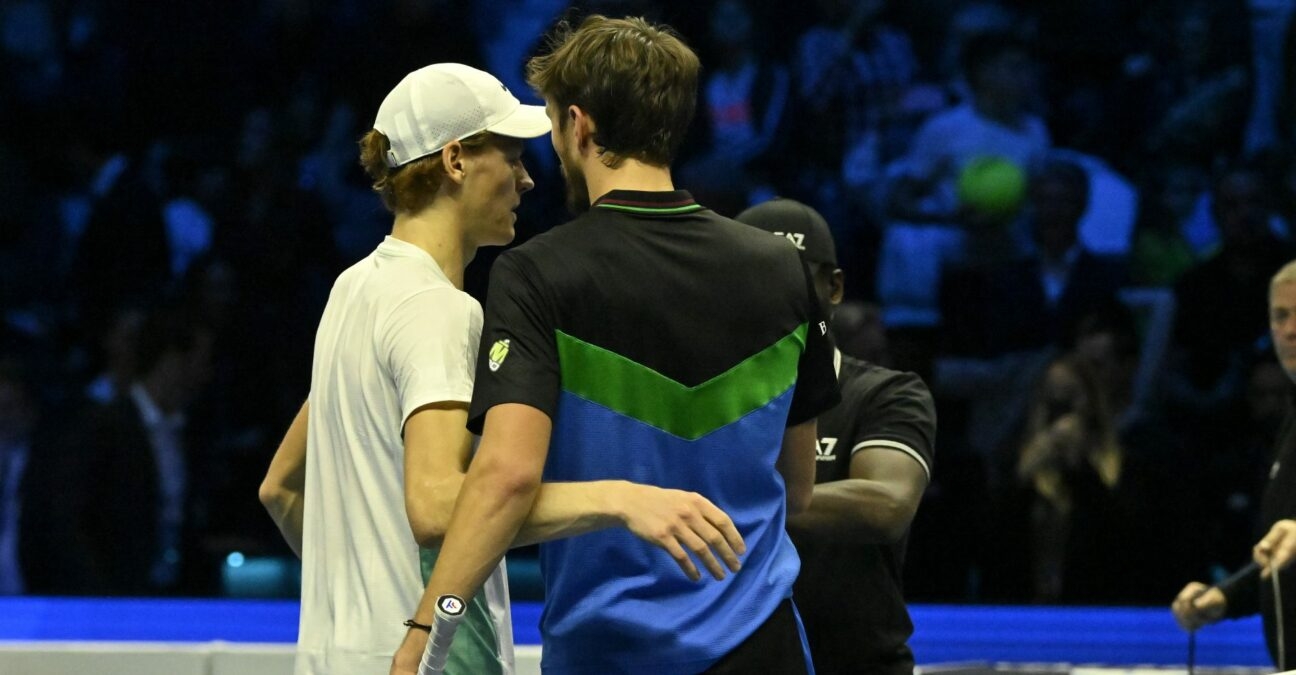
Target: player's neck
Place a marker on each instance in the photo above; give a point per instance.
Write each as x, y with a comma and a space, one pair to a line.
439, 232
631, 174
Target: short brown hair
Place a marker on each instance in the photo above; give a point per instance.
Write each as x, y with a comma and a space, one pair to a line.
637, 80
410, 187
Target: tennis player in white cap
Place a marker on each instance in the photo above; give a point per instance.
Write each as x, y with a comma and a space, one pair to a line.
364, 482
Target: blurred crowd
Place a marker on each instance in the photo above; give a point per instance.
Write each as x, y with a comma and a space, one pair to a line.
1063, 215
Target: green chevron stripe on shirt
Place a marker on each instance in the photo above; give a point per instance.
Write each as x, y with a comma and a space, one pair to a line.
637, 391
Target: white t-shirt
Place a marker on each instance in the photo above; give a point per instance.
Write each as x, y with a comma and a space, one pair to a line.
913, 256
396, 335
948, 141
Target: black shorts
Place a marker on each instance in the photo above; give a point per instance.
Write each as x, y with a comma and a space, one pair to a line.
778, 646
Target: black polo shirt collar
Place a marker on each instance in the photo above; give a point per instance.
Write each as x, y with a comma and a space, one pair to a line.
666, 203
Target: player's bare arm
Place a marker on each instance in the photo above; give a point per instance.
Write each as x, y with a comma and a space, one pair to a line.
796, 462
875, 505
284, 485
437, 449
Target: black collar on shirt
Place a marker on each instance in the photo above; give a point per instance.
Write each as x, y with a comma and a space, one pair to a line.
665, 203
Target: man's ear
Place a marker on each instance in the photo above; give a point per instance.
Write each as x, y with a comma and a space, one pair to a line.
838, 287
452, 160
583, 127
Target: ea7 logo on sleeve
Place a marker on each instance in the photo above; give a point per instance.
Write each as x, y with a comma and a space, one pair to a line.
498, 352
826, 451
797, 238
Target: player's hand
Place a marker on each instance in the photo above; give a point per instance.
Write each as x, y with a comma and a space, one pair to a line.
406, 660
1277, 549
1198, 605
682, 523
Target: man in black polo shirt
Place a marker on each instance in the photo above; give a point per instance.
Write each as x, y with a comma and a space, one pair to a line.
1253, 588
648, 340
876, 450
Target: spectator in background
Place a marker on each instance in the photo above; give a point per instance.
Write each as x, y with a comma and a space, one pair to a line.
743, 101
278, 239
119, 347
852, 75
1082, 493
127, 518
969, 19
1188, 99
124, 251
1106, 339
1284, 184
1270, 21
857, 101
1083, 46
1286, 118
1219, 301
1160, 253
923, 202
1034, 301
997, 121
19, 416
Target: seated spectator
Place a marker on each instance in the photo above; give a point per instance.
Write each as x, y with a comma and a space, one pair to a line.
19, 416
996, 121
1033, 301
1107, 341
119, 346
1187, 99
1160, 253
853, 73
742, 105
923, 200
1221, 301
126, 517
1090, 519
1284, 183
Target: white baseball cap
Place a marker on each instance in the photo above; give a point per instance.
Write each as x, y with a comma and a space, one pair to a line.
446, 102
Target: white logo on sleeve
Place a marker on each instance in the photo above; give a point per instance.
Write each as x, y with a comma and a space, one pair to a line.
797, 238
826, 450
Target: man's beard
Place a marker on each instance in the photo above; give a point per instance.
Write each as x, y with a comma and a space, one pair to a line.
578, 198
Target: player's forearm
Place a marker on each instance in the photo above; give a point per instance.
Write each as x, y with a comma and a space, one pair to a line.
856, 510
429, 507
561, 510
285, 508
796, 463
284, 485
569, 509
487, 517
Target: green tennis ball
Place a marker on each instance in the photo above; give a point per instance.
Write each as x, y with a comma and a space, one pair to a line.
992, 186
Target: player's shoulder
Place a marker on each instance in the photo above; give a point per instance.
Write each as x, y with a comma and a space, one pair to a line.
553, 246
757, 245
